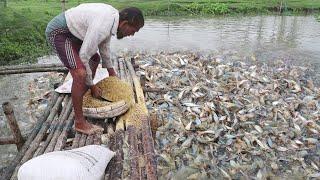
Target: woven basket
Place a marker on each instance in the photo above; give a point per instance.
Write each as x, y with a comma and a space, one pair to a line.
112, 109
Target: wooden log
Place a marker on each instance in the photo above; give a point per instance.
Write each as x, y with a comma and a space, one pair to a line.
62, 119
35, 143
10, 169
8, 111
133, 152
116, 173
61, 142
148, 148
148, 145
142, 165
111, 165
7, 140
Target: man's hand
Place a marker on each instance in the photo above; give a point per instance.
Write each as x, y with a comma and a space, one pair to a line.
111, 72
96, 92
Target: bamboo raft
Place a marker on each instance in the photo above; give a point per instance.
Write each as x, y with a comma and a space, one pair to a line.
132, 142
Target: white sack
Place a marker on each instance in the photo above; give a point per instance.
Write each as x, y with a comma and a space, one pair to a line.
85, 163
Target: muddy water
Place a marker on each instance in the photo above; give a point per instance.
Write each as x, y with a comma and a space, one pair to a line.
294, 38
266, 38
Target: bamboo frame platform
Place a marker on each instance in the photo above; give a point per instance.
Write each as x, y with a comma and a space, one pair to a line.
132, 142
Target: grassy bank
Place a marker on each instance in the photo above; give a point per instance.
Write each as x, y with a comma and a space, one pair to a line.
22, 23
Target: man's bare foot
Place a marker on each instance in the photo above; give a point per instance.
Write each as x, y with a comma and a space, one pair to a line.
87, 128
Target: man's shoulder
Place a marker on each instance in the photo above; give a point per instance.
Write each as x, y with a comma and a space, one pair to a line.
97, 5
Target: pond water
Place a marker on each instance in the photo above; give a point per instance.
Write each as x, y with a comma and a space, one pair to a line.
295, 38
267, 38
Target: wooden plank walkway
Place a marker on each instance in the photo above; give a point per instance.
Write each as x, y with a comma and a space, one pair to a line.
130, 139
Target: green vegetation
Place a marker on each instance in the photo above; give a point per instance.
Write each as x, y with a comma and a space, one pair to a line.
22, 23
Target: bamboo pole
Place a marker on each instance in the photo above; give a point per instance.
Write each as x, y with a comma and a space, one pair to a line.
51, 130
148, 149
111, 164
148, 146
120, 123
7, 140
142, 163
10, 169
83, 139
63, 5
35, 143
42, 147
116, 65
30, 66
138, 89
116, 173
31, 69
122, 74
62, 119
75, 143
63, 136
97, 139
133, 152
89, 140
8, 111
129, 76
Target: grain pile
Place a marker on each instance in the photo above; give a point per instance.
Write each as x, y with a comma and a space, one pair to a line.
113, 89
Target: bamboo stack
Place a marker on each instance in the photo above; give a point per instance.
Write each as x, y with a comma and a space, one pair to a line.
132, 140
36, 132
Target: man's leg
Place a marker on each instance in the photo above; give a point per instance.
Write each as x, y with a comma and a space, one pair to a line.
68, 52
94, 62
78, 90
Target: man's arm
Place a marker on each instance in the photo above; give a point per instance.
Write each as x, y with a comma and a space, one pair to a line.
104, 49
96, 33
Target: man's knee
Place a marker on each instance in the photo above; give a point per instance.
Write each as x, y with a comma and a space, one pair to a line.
95, 58
79, 75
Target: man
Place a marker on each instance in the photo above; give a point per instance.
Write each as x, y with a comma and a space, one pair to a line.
77, 34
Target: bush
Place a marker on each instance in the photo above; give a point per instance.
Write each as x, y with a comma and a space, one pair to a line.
21, 40
208, 8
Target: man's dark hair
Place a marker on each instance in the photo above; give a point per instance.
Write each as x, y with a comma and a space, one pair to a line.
133, 16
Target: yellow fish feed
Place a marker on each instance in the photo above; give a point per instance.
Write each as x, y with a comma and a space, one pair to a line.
113, 89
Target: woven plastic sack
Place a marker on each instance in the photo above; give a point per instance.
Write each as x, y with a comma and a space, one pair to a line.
85, 163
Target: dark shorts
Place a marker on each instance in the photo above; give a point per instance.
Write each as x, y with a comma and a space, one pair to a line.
67, 46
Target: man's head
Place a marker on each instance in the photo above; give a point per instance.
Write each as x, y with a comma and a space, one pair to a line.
130, 21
